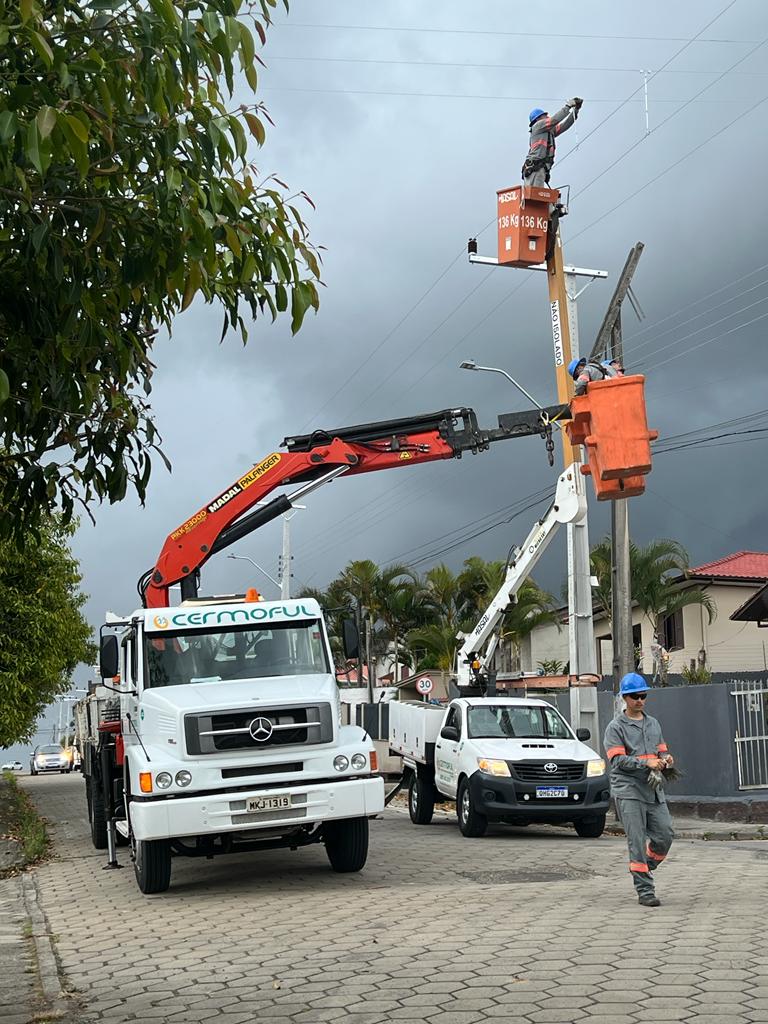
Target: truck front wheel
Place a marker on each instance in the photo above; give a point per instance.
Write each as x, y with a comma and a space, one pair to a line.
152, 864
471, 822
421, 800
590, 828
346, 843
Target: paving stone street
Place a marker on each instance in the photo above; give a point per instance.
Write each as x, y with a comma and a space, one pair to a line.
525, 925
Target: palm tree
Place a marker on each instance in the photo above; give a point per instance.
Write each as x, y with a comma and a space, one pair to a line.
655, 573
398, 606
438, 641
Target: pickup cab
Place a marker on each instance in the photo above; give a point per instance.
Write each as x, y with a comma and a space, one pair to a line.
501, 759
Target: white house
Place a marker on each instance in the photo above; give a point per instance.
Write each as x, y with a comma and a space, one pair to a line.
722, 645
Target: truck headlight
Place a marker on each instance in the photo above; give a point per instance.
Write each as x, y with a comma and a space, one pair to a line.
595, 768
183, 778
359, 761
163, 780
493, 766
341, 763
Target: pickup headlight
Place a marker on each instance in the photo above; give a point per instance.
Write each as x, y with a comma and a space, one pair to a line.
595, 768
493, 766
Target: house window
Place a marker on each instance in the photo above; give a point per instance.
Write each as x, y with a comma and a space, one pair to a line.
672, 631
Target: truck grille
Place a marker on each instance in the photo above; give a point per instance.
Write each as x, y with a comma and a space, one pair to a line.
566, 771
258, 728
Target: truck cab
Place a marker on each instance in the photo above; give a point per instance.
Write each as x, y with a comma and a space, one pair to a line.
228, 737
501, 759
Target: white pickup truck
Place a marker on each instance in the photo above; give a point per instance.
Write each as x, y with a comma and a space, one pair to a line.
501, 759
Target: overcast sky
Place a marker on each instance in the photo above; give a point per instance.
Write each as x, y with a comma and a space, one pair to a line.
401, 121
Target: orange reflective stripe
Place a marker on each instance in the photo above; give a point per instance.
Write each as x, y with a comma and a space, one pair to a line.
654, 856
644, 757
662, 748
613, 751
636, 865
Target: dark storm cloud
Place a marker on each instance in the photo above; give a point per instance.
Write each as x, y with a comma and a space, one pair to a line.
400, 182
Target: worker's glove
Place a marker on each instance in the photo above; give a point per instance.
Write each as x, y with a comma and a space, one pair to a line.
655, 779
670, 773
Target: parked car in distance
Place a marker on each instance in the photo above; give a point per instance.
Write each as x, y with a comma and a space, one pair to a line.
49, 757
12, 766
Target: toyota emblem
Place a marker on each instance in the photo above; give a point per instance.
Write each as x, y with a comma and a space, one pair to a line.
260, 729
550, 767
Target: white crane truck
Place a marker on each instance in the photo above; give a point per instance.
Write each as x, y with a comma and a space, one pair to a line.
507, 759
217, 728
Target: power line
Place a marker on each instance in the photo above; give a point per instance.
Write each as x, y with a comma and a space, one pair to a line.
710, 341
432, 30
538, 98
495, 66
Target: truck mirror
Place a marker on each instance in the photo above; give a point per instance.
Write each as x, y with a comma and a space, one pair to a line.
350, 638
449, 732
109, 656
583, 735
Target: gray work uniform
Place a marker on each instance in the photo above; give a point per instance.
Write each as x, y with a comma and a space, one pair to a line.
590, 372
629, 744
541, 153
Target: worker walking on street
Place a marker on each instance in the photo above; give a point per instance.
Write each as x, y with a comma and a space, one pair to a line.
638, 757
584, 371
544, 131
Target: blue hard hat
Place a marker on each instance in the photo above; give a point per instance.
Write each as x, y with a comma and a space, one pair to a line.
608, 362
535, 114
633, 682
574, 365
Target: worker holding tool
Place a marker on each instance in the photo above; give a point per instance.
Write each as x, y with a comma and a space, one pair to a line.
640, 765
544, 130
584, 371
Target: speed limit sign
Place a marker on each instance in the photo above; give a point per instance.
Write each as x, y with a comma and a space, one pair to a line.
424, 685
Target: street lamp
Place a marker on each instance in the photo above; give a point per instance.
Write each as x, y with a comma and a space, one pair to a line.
246, 558
470, 364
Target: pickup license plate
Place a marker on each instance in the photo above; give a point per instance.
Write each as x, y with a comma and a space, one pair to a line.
551, 792
268, 803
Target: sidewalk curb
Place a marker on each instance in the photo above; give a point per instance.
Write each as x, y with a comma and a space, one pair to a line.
720, 836
57, 1003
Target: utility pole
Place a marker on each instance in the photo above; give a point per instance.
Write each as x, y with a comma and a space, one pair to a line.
565, 338
610, 341
286, 557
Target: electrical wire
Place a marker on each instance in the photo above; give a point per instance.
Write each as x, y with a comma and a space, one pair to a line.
331, 91
709, 341
432, 30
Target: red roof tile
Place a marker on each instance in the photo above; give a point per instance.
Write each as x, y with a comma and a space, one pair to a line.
741, 565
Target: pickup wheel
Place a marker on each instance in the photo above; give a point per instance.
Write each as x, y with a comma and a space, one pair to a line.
471, 822
421, 800
590, 828
346, 843
152, 864
97, 815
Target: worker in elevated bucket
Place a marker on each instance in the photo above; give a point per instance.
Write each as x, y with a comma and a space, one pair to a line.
584, 371
639, 759
544, 130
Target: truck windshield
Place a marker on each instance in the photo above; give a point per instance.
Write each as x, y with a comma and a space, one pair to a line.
245, 652
502, 721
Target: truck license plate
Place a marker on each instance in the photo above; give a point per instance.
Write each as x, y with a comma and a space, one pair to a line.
552, 791
268, 803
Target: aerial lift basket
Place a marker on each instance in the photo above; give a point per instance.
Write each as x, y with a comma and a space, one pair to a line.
523, 221
610, 421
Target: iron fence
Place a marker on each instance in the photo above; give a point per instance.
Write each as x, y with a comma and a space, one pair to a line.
751, 739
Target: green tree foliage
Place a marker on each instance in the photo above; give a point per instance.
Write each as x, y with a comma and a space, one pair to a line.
43, 634
127, 189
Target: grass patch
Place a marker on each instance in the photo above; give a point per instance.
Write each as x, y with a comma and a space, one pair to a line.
19, 820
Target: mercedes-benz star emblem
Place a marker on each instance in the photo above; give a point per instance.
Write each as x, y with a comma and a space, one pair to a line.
550, 767
260, 729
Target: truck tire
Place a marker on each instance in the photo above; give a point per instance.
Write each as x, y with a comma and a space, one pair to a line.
471, 822
346, 843
590, 828
97, 815
152, 864
421, 800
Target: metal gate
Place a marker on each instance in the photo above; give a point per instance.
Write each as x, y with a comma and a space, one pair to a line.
751, 737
